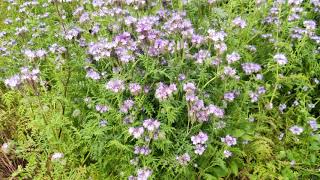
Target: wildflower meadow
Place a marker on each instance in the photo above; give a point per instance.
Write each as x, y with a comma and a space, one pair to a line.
160, 89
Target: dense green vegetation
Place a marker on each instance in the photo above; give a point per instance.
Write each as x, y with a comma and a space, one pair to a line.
171, 89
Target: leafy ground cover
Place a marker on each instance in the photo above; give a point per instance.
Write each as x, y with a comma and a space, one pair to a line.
171, 89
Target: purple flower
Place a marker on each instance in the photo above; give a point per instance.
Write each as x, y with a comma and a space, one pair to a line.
227, 153
190, 96
41, 53
144, 174
229, 71
136, 132
13, 81
197, 39
239, 22
313, 124
164, 91
143, 150
201, 56
115, 85
233, 57
261, 90
102, 108
216, 111
127, 120
159, 47
254, 96
220, 47
183, 159
216, 62
310, 25
103, 123
127, 105
229, 140
296, 130
282, 107
134, 88
280, 59
250, 68
30, 54
199, 149
93, 74
84, 17
73, 33
216, 36
181, 77
189, 87
151, 124
200, 138
229, 96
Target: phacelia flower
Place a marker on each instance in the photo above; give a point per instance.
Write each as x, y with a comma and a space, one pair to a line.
13, 81
310, 25
229, 140
229, 96
280, 59
164, 91
239, 22
143, 150
200, 138
313, 124
189, 87
227, 153
199, 149
144, 174
134, 88
250, 68
93, 74
229, 71
216, 36
201, 56
151, 124
183, 159
136, 132
282, 107
102, 108
103, 123
115, 85
296, 130
233, 57
127, 105
216, 111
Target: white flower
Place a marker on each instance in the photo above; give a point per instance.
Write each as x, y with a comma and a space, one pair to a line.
5, 148
57, 156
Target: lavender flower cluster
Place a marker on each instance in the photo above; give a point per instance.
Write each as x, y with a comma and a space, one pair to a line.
148, 55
